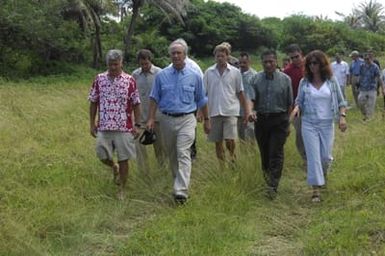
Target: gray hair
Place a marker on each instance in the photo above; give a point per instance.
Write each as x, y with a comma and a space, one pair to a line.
113, 55
181, 42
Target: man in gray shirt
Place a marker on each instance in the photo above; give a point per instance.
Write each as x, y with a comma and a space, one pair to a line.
144, 77
272, 102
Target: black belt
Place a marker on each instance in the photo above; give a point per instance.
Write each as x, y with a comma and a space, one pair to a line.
265, 115
177, 114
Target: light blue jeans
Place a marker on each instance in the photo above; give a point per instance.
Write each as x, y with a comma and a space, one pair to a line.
318, 138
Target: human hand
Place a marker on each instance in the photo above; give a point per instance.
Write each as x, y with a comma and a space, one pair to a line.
342, 124
207, 126
294, 113
93, 131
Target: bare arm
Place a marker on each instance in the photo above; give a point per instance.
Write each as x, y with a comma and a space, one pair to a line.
151, 115
93, 111
246, 105
206, 120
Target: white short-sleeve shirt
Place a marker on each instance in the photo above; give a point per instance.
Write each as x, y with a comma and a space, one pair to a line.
223, 90
340, 71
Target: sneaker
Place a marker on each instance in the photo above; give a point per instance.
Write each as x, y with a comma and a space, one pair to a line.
316, 197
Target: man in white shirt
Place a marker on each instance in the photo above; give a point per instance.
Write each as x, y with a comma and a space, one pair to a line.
341, 71
224, 88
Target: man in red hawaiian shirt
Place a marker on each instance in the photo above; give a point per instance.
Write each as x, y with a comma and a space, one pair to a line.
114, 96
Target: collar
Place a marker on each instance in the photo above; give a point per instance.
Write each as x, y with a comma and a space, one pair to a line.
151, 71
176, 71
268, 78
118, 76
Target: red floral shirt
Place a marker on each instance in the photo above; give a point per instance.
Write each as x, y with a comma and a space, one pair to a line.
116, 98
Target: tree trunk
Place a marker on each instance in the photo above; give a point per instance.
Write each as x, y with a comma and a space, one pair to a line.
130, 31
96, 42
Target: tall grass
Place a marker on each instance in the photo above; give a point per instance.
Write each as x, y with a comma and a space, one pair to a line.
57, 199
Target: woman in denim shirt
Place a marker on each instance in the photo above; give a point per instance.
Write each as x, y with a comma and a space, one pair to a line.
319, 102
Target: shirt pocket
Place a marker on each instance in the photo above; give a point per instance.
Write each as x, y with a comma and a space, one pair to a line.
188, 94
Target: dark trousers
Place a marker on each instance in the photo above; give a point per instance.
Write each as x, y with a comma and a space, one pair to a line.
271, 131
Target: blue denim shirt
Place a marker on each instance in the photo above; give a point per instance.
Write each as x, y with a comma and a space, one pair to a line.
304, 101
178, 91
368, 75
355, 67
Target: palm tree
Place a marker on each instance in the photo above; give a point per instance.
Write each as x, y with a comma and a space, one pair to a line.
353, 19
88, 13
174, 8
372, 15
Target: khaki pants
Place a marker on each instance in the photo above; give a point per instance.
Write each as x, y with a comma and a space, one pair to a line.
367, 102
179, 134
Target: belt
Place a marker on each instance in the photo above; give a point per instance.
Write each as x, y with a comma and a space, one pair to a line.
271, 114
177, 114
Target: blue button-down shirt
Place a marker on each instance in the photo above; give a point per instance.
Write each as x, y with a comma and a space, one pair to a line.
368, 77
355, 67
178, 91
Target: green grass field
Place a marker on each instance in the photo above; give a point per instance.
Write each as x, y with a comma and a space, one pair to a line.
57, 199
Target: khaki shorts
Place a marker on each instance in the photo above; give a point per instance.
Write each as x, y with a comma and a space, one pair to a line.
109, 141
223, 128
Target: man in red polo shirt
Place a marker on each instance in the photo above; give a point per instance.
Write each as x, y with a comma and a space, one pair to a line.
295, 71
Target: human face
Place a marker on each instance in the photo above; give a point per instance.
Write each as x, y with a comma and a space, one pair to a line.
145, 64
115, 67
296, 58
314, 65
177, 56
338, 58
368, 58
269, 63
221, 58
244, 64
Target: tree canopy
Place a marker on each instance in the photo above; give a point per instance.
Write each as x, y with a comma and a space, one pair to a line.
42, 36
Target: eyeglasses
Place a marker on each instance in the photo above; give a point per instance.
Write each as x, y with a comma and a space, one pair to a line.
313, 63
294, 57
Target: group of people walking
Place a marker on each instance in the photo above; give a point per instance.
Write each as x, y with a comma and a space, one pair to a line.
232, 100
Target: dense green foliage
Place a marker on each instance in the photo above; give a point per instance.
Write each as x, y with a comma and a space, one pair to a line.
56, 198
42, 37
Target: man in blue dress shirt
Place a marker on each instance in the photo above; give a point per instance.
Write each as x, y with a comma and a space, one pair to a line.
178, 92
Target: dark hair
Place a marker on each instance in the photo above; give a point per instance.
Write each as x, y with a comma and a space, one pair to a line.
324, 65
293, 48
244, 54
269, 52
144, 54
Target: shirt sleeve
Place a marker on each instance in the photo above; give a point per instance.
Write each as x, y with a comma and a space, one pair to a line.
239, 85
206, 81
289, 92
200, 93
94, 91
134, 93
155, 91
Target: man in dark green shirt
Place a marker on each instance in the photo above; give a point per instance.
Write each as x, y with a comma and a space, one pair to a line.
272, 103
